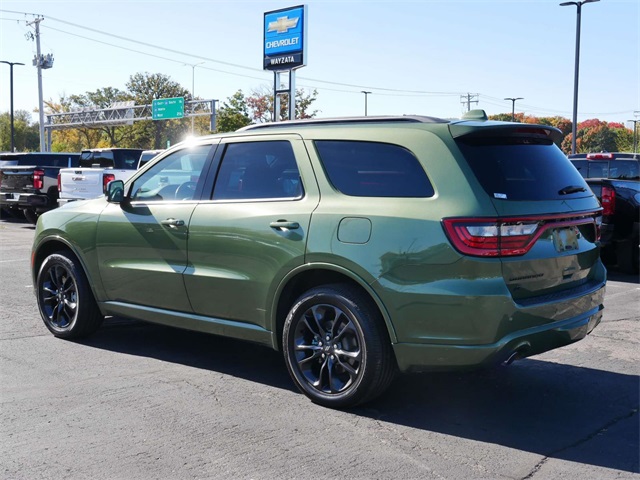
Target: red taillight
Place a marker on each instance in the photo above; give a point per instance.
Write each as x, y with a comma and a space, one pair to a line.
505, 237
608, 200
38, 179
599, 156
59, 186
106, 178
491, 237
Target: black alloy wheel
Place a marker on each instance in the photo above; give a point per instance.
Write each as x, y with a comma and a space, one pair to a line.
336, 347
65, 300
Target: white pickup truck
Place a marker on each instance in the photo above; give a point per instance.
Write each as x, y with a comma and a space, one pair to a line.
97, 168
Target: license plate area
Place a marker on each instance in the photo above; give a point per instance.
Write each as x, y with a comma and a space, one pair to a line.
566, 239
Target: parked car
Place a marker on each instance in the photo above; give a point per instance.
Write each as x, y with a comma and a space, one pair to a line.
616, 165
357, 247
98, 166
615, 180
31, 185
620, 221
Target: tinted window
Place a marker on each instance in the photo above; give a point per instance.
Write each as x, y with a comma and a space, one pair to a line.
624, 169
102, 159
175, 178
370, 169
126, 159
48, 159
258, 170
522, 169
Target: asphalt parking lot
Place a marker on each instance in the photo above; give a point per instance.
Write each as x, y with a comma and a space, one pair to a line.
140, 401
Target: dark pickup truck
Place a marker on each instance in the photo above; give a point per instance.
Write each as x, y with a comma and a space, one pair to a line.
615, 180
30, 187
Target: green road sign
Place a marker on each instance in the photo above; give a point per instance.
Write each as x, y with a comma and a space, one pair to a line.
167, 108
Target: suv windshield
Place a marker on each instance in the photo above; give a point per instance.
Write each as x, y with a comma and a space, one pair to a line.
522, 169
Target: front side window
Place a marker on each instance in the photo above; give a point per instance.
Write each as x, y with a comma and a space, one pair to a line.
258, 170
371, 169
175, 178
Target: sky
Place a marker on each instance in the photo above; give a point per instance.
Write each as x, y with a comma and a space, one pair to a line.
415, 57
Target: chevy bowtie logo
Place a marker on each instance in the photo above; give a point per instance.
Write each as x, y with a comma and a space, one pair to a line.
283, 24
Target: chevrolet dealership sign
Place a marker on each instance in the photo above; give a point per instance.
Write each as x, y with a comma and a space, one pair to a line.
284, 38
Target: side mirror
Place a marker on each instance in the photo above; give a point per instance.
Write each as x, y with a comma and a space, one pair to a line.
115, 191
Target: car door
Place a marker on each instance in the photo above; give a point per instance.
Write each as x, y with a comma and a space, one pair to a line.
254, 229
142, 242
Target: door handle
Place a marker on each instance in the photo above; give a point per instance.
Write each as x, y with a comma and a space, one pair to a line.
172, 223
284, 225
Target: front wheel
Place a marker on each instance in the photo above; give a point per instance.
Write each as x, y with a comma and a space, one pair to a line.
65, 300
336, 347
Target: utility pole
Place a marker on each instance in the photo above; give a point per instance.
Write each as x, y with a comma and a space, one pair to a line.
41, 62
513, 106
11, 64
469, 98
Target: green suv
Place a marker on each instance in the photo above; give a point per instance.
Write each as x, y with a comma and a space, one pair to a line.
358, 247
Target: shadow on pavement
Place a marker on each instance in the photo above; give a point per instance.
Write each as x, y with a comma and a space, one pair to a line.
561, 411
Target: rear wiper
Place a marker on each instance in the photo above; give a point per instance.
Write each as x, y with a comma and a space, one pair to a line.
572, 189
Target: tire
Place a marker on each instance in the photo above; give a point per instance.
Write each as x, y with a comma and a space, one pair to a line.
65, 301
336, 347
31, 216
627, 253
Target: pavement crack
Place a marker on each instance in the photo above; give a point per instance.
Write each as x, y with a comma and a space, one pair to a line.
610, 424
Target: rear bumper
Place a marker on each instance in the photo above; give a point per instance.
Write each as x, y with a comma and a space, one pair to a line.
36, 201
423, 357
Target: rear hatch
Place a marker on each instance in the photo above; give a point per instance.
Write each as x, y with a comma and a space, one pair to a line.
546, 224
82, 183
17, 179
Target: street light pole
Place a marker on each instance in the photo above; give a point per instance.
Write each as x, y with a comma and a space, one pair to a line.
365, 101
574, 126
11, 64
513, 106
193, 86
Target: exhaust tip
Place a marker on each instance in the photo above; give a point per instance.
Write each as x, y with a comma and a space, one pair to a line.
517, 354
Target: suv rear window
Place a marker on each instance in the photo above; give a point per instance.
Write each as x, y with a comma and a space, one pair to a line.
372, 169
522, 169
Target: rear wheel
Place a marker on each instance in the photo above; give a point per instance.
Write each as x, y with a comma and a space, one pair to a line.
336, 347
31, 216
627, 254
65, 300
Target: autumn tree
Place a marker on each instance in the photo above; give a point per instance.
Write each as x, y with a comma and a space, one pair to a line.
100, 99
260, 104
600, 136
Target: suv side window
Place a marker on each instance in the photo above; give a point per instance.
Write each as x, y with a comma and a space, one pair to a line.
372, 169
258, 170
176, 177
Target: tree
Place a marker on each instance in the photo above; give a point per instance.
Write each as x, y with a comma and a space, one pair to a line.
600, 136
103, 98
146, 87
73, 139
260, 104
26, 134
233, 114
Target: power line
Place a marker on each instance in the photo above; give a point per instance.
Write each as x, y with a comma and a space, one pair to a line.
393, 92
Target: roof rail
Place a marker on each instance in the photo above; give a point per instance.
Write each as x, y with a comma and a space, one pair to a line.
346, 121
